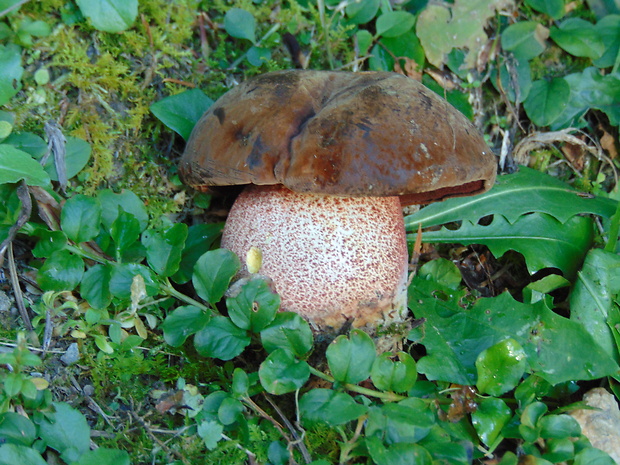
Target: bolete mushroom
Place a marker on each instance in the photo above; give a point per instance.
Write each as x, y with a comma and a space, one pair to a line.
330, 157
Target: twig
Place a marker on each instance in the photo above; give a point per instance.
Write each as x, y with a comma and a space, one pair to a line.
17, 290
156, 439
24, 216
251, 455
299, 443
57, 145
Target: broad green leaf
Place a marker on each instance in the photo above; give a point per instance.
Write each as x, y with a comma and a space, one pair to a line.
29, 143
13, 383
63, 271
213, 272
219, 338
182, 111
330, 407
541, 239
11, 71
230, 410
526, 39
12, 454
125, 231
66, 431
404, 46
609, 30
559, 450
593, 301
442, 271
80, 218
240, 383
362, 12
288, 331
557, 349
281, 372
593, 456
240, 24
76, 157
489, 419
254, 305
553, 8
16, 165
199, 240
95, 286
258, 56
410, 420
514, 195
350, 358
182, 323
500, 367
398, 454
579, 37
122, 276
559, 427
49, 242
211, 433
394, 375
164, 248
394, 23
109, 15
547, 100
17, 429
104, 456
127, 201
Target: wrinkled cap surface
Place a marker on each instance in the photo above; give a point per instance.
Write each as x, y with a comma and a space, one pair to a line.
338, 133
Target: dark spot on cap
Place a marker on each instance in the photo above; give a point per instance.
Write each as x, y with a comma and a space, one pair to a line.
221, 115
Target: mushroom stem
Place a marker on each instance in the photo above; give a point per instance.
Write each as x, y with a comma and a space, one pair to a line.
332, 259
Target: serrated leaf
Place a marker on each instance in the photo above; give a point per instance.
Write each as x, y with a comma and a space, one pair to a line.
240, 24
281, 372
512, 196
80, 218
213, 272
541, 239
579, 37
182, 111
557, 349
329, 406
547, 100
109, 15
16, 165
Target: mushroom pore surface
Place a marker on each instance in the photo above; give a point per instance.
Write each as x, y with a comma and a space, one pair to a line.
331, 258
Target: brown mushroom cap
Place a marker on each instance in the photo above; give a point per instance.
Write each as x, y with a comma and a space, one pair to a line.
338, 133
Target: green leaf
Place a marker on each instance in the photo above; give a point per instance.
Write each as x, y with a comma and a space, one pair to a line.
199, 240
406, 45
127, 201
592, 456
182, 323
211, 433
229, 412
49, 242
63, 271
109, 15
258, 56
125, 231
557, 348
559, 427
409, 420
553, 8
500, 367
240, 383
213, 272
350, 358
16, 165
579, 37
547, 100
16, 429
122, 278
609, 30
104, 456
12, 454
489, 419
389, 375
592, 299
11, 71
442, 271
253, 305
394, 23
182, 111
80, 218
362, 12
13, 383
512, 196
288, 331
526, 39
559, 450
66, 431
95, 286
219, 338
240, 24
164, 248
330, 407
281, 372
542, 240
398, 454
77, 154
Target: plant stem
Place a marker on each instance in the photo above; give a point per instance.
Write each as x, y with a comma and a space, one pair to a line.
614, 228
167, 288
386, 396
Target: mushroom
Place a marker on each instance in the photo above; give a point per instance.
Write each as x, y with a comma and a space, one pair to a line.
330, 158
